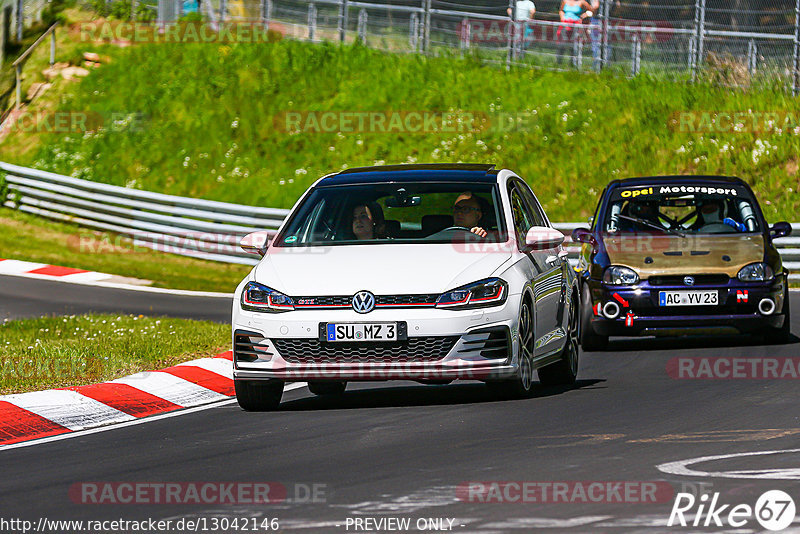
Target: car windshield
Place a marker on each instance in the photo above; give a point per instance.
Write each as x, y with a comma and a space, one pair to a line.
682, 209
418, 212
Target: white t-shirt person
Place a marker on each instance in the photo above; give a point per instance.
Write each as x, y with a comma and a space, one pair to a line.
523, 11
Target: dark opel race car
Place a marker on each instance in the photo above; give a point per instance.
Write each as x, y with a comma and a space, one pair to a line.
681, 255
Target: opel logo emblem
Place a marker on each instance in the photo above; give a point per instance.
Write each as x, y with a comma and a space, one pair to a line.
363, 302
688, 280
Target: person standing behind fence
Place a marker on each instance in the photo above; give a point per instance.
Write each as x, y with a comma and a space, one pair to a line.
571, 12
524, 11
595, 34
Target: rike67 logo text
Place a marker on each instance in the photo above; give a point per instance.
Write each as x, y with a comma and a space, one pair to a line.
774, 510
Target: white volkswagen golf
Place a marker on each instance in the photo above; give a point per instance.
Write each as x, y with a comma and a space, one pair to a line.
430, 273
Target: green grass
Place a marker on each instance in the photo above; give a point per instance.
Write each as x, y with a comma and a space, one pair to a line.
210, 129
25, 237
53, 352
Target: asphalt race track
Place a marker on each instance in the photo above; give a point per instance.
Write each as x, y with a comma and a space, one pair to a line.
403, 450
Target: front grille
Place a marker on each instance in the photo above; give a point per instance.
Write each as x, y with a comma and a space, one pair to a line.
249, 347
414, 349
380, 300
491, 343
699, 280
399, 300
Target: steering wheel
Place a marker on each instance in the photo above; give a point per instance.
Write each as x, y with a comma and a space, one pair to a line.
456, 228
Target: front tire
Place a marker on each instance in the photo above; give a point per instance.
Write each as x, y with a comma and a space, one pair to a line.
327, 388
588, 338
258, 395
520, 386
565, 370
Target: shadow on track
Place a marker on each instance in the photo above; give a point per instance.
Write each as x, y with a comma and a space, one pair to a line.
688, 342
403, 396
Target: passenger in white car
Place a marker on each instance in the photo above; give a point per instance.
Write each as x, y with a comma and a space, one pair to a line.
368, 221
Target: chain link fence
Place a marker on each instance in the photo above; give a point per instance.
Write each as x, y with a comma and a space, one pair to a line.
731, 42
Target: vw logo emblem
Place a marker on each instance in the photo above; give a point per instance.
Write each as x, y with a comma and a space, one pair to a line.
363, 302
688, 280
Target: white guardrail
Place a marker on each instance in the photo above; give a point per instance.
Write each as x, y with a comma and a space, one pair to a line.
203, 229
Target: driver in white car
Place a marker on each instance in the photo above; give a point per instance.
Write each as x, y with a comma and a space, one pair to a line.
467, 212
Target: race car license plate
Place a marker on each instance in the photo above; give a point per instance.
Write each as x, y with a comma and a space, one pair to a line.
361, 332
688, 298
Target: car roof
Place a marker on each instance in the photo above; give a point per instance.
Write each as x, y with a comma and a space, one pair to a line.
448, 172
683, 178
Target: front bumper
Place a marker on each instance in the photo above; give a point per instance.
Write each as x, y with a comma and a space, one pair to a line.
737, 311
290, 347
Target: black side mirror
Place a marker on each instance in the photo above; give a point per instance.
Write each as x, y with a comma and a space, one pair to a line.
582, 235
780, 229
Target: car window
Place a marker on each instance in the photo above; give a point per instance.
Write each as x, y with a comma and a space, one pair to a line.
521, 216
689, 208
535, 209
431, 212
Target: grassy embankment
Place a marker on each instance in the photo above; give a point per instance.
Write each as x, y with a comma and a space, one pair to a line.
53, 352
215, 125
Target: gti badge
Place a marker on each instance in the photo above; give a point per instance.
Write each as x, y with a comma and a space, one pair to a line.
688, 280
363, 302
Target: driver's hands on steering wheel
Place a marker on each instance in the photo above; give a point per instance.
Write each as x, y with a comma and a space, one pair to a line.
478, 231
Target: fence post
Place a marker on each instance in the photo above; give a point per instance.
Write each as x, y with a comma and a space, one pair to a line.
464, 41
752, 57
426, 29
577, 47
20, 21
510, 43
361, 28
796, 58
636, 55
266, 13
413, 31
178, 9
5, 30
53, 47
18, 75
605, 13
223, 10
701, 34
312, 21
344, 9
134, 5
692, 54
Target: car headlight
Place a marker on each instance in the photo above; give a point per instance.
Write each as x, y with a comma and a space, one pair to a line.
489, 292
756, 272
260, 298
620, 276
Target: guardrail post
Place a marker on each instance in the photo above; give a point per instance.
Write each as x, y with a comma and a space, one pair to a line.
178, 9
312, 21
636, 55
266, 13
362, 26
413, 31
344, 9
464, 43
223, 10
796, 58
577, 47
605, 13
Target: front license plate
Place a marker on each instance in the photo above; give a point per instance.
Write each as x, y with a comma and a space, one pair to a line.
688, 298
335, 332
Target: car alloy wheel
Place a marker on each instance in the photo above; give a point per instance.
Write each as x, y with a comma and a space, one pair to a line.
565, 370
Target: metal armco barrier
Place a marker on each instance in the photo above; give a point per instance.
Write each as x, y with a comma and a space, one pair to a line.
203, 229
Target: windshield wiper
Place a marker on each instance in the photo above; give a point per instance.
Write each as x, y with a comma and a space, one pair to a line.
652, 225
